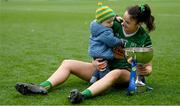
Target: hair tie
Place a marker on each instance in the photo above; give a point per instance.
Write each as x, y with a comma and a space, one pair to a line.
99, 3
142, 8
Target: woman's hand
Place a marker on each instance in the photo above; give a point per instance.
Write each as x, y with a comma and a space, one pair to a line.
144, 69
99, 64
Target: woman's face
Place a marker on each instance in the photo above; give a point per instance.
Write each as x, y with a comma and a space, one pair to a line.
129, 24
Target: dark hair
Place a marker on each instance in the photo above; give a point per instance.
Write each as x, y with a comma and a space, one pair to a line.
142, 14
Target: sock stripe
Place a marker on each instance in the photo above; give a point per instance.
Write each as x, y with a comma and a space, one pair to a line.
87, 93
46, 84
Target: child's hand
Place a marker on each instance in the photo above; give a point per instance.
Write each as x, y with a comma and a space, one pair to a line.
118, 18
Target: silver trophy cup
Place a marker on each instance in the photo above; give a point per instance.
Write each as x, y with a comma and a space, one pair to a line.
138, 55
141, 54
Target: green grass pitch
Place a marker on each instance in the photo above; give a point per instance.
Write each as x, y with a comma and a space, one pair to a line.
36, 35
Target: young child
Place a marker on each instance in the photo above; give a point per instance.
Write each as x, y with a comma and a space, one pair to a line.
102, 39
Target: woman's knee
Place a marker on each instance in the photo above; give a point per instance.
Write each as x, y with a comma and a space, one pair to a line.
66, 61
119, 75
66, 64
114, 75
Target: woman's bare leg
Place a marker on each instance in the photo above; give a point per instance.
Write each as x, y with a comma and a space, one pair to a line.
81, 69
115, 76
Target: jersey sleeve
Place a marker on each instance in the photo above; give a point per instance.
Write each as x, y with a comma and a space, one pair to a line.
116, 26
148, 42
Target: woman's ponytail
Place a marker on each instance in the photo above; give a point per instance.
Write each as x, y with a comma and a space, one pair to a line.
142, 14
149, 19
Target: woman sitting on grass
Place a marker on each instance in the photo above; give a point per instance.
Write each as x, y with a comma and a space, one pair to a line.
129, 29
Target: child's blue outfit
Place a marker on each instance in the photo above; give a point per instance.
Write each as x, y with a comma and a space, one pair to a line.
101, 42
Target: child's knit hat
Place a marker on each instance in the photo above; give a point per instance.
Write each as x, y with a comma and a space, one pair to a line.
103, 13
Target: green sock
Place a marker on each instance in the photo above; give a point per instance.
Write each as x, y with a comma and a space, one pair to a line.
46, 84
87, 93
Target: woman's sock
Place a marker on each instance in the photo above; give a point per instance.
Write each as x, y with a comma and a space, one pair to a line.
87, 93
46, 84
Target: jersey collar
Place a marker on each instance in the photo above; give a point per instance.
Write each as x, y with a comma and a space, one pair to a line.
129, 35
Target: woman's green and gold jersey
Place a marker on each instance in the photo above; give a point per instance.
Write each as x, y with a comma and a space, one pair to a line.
139, 39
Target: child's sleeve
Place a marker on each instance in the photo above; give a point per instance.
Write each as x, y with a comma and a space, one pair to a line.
109, 39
